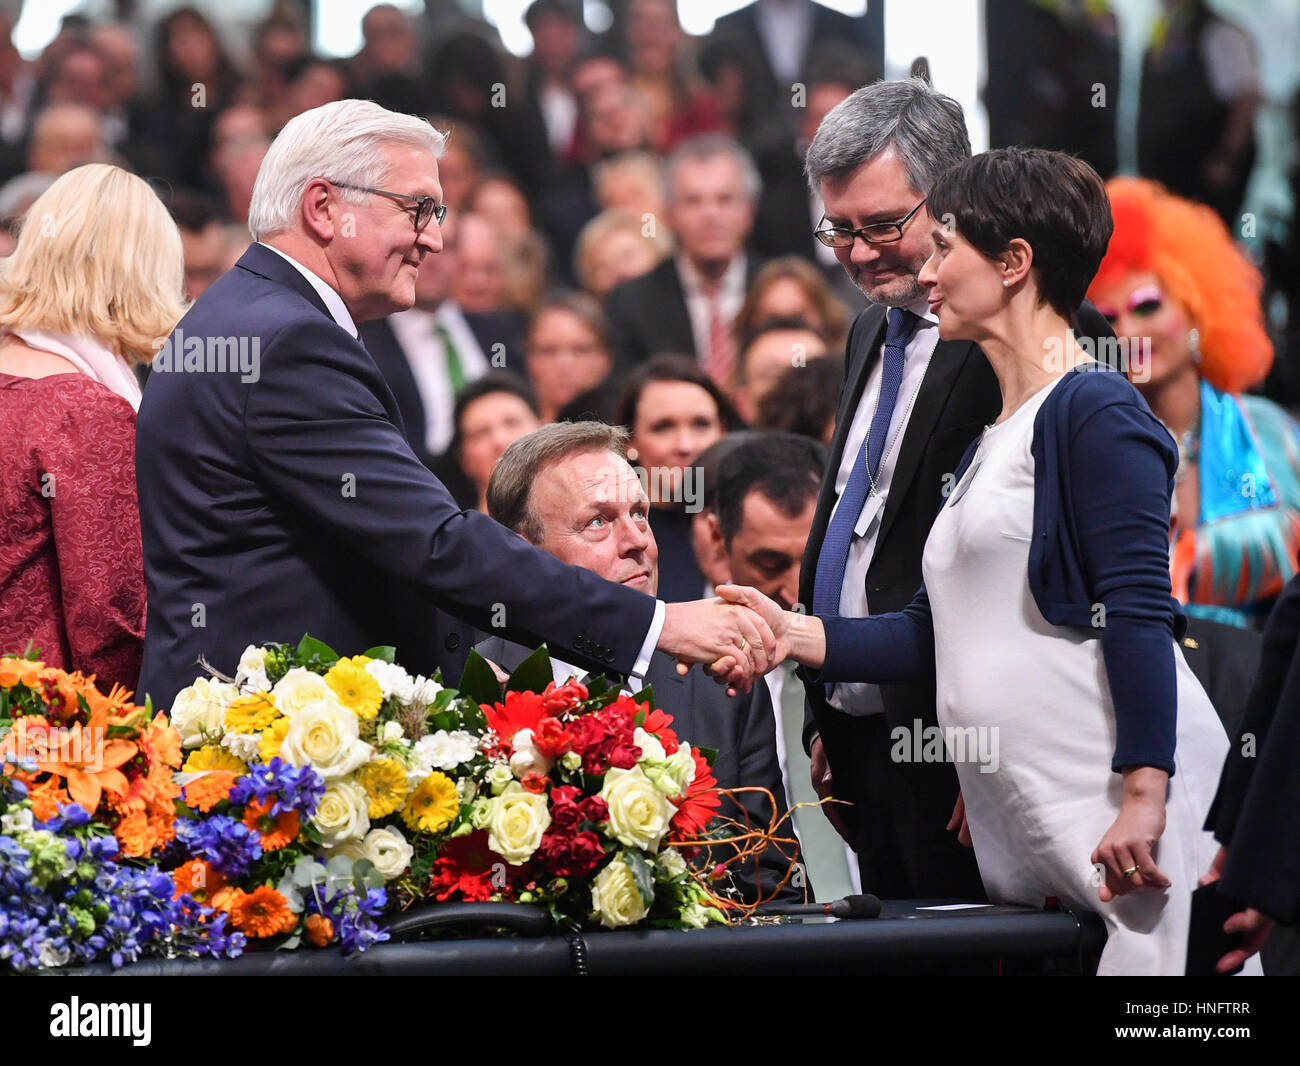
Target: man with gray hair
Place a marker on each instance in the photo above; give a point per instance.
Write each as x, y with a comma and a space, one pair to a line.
280, 495
909, 407
688, 302
569, 489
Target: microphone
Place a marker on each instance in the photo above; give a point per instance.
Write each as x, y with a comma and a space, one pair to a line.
861, 906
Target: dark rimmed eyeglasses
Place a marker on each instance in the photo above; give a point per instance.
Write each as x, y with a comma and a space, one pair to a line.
425, 208
876, 233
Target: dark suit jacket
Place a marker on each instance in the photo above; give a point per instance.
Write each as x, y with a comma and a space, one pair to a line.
958, 397
293, 504
382, 344
1256, 813
741, 728
648, 316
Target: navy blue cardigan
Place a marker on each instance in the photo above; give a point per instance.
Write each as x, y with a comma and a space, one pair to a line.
1099, 560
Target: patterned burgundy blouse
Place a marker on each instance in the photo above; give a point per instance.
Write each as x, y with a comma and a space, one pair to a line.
71, 569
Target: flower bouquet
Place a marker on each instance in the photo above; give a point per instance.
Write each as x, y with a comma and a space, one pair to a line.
322, 791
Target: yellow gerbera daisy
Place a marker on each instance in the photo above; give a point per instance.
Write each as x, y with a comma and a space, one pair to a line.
433, 805
213, 757
385, 783
356, 689
251, 713
269, 746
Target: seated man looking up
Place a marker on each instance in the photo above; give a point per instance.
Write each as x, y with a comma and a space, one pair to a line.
568, 489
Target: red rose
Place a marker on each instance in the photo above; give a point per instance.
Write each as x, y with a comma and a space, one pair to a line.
624, 756
563, 698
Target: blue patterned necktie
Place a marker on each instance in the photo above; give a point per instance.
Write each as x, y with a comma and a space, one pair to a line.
834, 556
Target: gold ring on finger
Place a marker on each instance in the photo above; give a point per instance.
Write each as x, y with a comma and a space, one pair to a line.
1130, 871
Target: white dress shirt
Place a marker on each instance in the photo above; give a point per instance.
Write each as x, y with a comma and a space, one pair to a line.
427, 356
731, 294
333, 301
855, 698
785, 28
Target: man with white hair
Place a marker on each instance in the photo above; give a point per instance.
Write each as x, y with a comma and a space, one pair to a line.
688, 302
278, 494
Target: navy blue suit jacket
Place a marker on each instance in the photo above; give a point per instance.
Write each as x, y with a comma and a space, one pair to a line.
293, 503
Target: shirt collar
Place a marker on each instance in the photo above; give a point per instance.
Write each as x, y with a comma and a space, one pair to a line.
333, 301
732, 281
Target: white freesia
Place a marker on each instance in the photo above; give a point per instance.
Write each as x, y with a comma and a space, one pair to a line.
325, 736
390, 733
425, 691
343, 813
17, 820
670, 861
299, 689
251, 675
680, 767
388, 850
639, 812
651, 749
571, 761
499, 777
201, 709
446, 751
394, 681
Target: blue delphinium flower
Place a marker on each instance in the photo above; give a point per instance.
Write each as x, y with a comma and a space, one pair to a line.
230, 846
286, 787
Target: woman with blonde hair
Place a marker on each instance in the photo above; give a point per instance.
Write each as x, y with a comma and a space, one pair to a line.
1185, 303
92, 289
791, 287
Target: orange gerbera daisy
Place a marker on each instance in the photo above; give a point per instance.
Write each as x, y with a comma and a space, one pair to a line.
262, 912
278, 830
320, 930
137, 835
199, 879
46, 798
206, 792
161, 741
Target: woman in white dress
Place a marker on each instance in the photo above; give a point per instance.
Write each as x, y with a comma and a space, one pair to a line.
1046, 615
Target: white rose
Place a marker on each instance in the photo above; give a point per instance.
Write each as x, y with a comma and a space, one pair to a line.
519, 818
639, 813
670, 861
446, 751
325, 737
342, 813
393, 680
200, 709
251, 675
299, 689
615, 897
388, 850
651, 749
499, 777
526, 758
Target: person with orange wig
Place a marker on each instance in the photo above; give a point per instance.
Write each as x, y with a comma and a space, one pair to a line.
1185, 303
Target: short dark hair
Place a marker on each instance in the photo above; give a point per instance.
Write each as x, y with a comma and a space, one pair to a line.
672, 368
803, 399
1053, 201
493, 381
778, 324
784, 467
192, 211
708, 461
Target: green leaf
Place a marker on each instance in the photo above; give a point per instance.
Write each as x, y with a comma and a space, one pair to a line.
448, 720
313, 652
478, 682
384, 652
709, 754
646, 696
533, 674
597, 686
641, 874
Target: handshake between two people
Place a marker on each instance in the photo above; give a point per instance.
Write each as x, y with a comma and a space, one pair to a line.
739, 635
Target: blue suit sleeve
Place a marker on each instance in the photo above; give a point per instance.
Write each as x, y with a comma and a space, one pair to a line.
1119, 475
322, 446
883, 649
